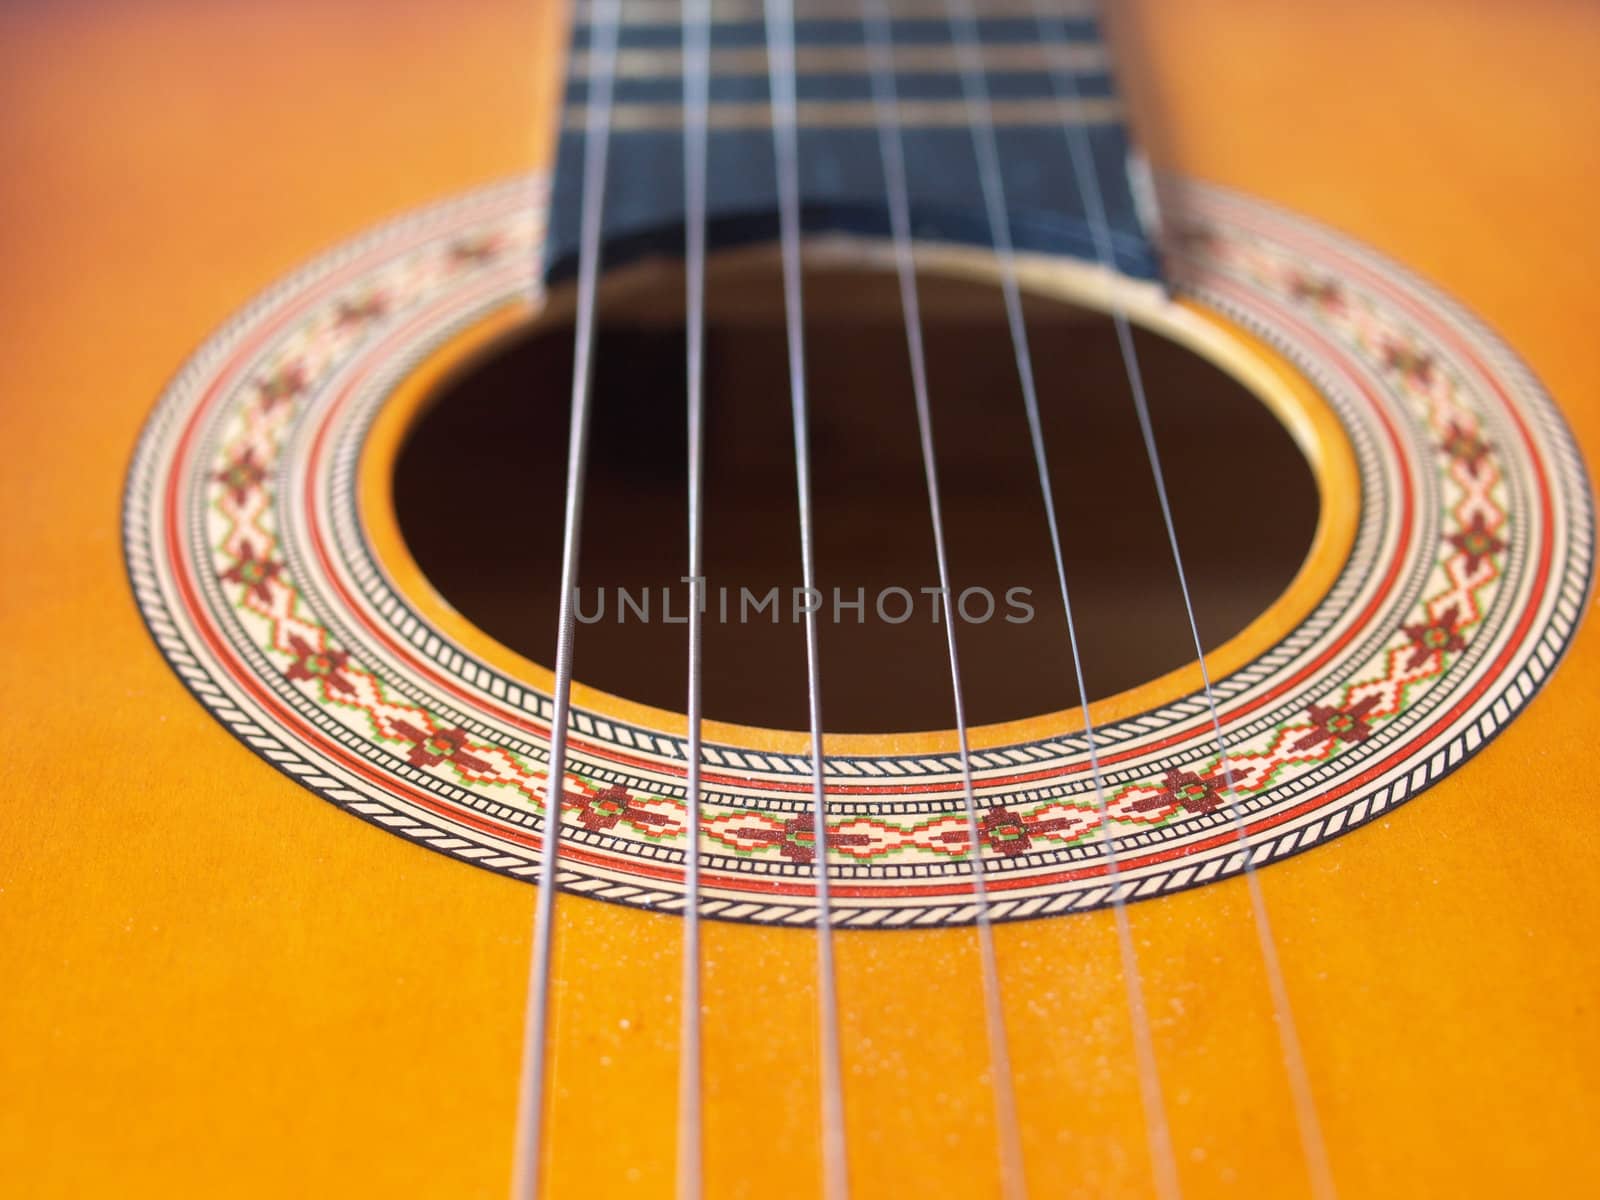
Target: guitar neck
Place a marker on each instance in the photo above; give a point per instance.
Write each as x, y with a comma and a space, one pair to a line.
1034, 78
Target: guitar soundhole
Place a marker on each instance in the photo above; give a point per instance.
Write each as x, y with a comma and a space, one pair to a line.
479, 490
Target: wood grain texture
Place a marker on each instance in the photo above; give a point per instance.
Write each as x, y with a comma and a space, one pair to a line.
216, 983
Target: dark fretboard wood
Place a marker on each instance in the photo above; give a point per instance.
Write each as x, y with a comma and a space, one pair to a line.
841, 172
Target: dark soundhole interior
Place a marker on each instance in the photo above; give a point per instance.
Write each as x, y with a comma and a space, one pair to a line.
480, 482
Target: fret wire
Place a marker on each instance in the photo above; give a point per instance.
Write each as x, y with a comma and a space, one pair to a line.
785, 134
664, 12
1012, 1174
665, 63
696, 85
1088, 180
975, 87
848, 114
531, 1098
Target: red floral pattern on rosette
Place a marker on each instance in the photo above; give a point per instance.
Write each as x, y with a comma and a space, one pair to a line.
228, 537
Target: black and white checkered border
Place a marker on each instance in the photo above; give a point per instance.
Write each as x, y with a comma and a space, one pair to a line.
1572, 502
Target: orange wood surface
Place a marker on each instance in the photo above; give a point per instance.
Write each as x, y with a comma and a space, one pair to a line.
216, 983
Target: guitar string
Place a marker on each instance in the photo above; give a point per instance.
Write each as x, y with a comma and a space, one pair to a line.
530, 1141
1086, 176
781, 53
696, 107
886, 101
975, 89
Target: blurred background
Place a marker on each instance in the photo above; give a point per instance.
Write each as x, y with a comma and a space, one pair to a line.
161, 162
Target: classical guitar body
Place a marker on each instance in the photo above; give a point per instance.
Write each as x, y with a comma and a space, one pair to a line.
1162, 491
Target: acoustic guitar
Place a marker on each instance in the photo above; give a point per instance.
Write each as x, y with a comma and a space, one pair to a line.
902, 598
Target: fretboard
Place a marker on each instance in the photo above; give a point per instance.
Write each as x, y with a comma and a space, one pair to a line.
840, 167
